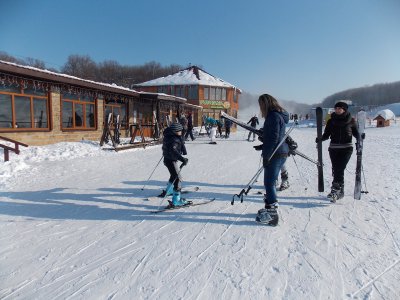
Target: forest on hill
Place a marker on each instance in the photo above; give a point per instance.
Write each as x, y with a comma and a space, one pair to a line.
110, 71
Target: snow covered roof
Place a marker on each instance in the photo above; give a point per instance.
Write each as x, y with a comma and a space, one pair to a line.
387, 114
189, 76
64, 78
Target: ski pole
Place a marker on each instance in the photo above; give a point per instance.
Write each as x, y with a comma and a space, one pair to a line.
296, 152
301, 176
259, 165
248, 187
152, 173
176, 178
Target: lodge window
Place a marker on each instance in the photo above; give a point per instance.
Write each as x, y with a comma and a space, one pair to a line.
116, 109
23, 108
206, 93
143, 113
193, 92
223, 94
235, 96
78, 112
180, 91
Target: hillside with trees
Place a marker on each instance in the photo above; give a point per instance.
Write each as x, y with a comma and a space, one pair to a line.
377, 94
110, 71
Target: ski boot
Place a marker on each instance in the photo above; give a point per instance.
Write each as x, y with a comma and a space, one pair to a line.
168, 191
284, 185
268, 215
337, 192
177, 200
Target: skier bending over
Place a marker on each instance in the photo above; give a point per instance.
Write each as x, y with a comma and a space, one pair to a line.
339, 128
253, 123
274, 127
173, 148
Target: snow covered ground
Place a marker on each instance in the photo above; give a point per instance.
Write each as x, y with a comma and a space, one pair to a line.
74, 224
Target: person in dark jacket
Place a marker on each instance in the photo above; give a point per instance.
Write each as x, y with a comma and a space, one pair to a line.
228, 125
274, 129
189, 128
253, 123
173, 148
339, 128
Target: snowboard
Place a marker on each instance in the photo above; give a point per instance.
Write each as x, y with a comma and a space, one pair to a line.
319, 115
361, 118
190, 204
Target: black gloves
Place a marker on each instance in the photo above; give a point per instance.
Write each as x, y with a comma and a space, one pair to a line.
363, 135
184, 162
258, 147
318, 140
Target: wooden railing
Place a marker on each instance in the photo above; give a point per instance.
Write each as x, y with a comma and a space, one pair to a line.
7, 148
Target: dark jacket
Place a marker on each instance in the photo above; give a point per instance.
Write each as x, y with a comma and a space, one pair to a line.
253, 121
228, 123
190, 122
273, 132
173, 146
340, 128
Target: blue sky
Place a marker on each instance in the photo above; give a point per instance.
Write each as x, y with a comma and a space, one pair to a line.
301, 50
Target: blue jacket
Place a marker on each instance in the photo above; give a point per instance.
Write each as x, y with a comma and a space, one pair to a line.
273, 132
173, 146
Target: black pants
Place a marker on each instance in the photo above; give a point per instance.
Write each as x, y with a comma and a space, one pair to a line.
189, 132
175, 176
227, 132
339, 158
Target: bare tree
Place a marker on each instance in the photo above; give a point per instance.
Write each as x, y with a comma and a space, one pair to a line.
80, 66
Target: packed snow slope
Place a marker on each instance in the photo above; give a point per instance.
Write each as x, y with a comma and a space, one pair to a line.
75, 224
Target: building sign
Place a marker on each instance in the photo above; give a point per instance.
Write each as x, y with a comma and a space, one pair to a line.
215, 104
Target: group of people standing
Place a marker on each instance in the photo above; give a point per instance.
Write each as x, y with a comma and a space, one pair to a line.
340, 128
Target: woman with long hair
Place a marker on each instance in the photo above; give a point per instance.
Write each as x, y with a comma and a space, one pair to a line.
274, 129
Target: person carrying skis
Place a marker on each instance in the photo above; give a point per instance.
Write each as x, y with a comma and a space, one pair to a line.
173, 148
274, 127
339, 128
253, 123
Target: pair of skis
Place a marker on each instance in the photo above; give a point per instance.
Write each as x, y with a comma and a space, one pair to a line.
171, 207
361, 119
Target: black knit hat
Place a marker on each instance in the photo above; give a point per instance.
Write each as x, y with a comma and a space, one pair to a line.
342, 105
176, 127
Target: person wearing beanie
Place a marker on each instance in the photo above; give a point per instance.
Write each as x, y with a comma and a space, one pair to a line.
339, 128
173, 148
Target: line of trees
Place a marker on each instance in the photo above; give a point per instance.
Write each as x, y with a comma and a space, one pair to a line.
377, 94
109, 71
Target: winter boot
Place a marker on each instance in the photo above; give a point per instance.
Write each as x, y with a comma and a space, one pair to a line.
284, 181
168, 191
336, 192
268, 215
177, 200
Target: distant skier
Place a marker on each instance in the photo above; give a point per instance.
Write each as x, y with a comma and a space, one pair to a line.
189, 128
253, 123
184, 122
219, 127
339, 128
274, 128
228, 125
173, 148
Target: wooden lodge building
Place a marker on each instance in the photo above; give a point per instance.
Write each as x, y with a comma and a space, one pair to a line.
199, 88
39, 107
